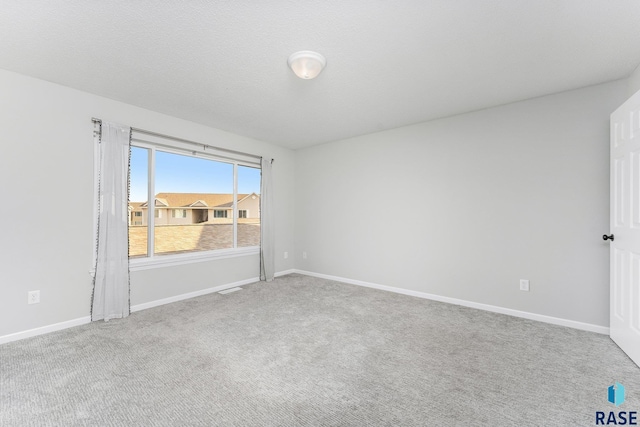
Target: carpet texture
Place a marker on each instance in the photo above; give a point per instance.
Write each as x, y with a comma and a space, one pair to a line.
302, 351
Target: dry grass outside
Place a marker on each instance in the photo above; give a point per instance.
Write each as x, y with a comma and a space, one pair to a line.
171, 239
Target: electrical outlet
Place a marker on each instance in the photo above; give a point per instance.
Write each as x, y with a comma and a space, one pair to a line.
524, 285
286, 255
33, 297
304, 255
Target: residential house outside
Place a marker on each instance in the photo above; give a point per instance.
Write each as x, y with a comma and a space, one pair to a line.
135, 213
187, 222
197, 208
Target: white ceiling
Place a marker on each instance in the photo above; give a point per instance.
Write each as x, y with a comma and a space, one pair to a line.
389, 63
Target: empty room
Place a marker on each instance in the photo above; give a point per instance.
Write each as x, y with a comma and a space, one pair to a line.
320, 213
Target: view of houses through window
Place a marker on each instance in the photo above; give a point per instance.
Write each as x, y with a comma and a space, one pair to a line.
193, 203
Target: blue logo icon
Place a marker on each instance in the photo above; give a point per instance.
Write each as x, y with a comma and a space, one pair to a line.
616, 394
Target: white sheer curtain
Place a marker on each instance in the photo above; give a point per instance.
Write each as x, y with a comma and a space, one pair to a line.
111, 280
267, 232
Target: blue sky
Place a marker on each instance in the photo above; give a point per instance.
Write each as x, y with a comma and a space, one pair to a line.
185, 174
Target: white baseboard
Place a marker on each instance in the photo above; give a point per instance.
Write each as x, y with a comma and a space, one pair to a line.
285, 272
189, 295
526, 315
486, 307
84, 320
44, 329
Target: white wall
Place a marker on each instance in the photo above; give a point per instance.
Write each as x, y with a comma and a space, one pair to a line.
46, 160
460, 207
464, 207
634, 82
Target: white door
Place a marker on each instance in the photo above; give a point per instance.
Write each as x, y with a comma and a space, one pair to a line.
625, 228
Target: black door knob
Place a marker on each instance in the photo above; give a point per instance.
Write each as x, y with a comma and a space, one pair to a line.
610, 237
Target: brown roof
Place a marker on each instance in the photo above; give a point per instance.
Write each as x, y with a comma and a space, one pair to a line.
241, 197
188, 199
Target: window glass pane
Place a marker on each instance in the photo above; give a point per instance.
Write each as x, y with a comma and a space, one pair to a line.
199, 187
193, 204
138, 187
248, 206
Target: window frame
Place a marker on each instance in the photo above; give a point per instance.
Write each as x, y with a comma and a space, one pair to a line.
152, 260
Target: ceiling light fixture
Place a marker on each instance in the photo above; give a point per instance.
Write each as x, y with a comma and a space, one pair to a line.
306, 64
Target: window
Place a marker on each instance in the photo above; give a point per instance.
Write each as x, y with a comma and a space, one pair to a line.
249, 198
137, 214
139, 182
211, 189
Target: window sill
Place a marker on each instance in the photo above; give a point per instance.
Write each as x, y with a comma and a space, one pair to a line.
180, 259
139, 264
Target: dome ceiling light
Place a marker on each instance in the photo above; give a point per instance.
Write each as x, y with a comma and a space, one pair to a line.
306, 64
